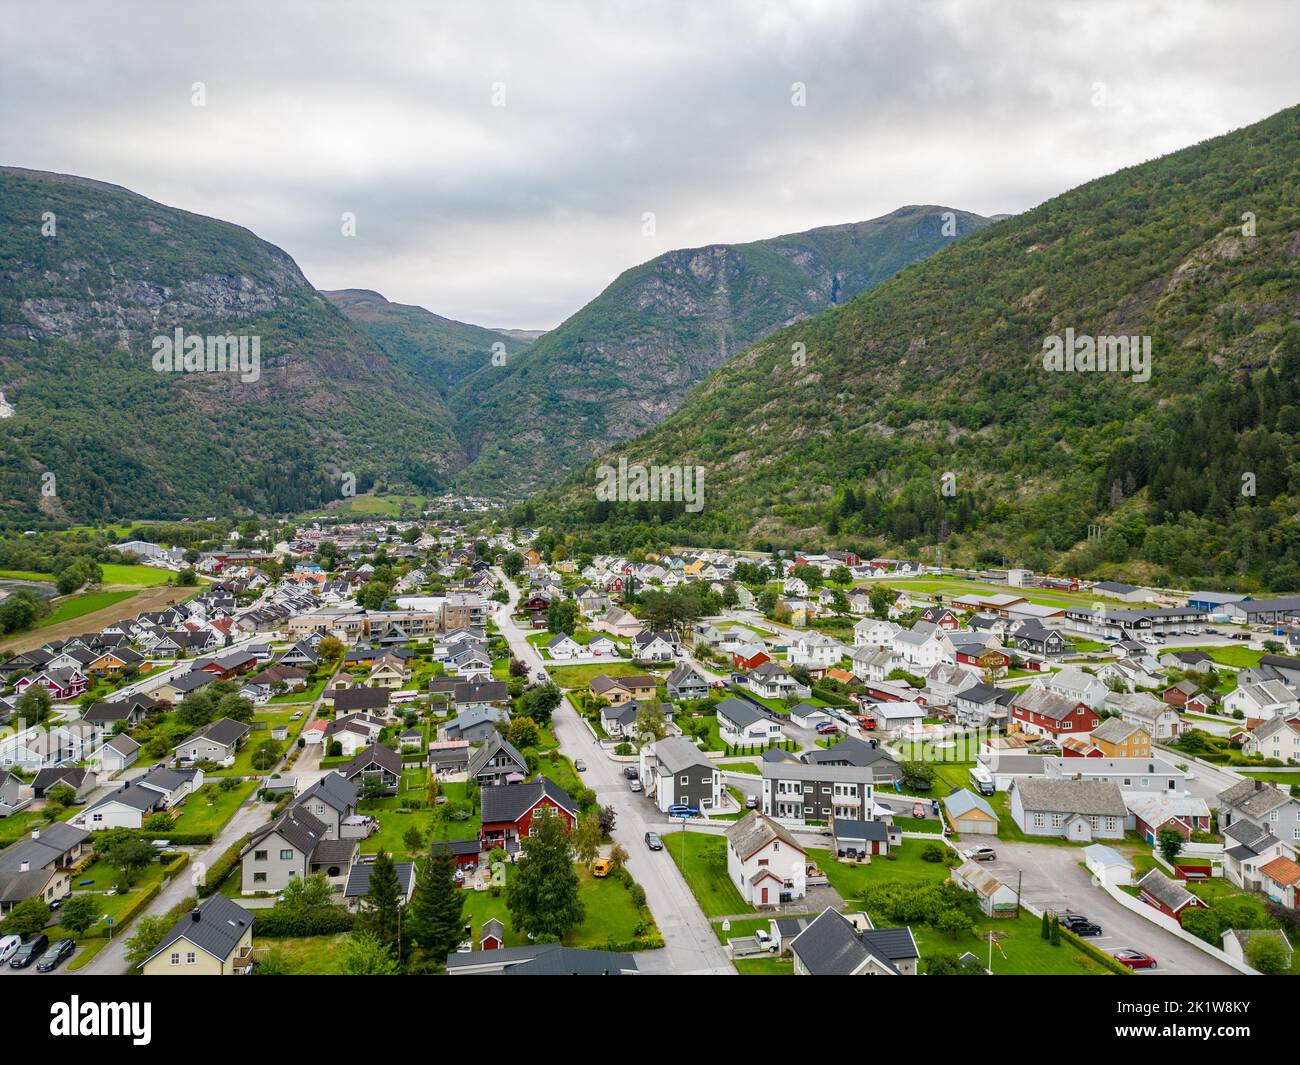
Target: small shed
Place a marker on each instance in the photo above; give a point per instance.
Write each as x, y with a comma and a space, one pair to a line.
969, 814
996, 898
1108, 865
494, 935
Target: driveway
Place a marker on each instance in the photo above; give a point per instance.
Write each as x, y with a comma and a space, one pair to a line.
690, 944
1053, 879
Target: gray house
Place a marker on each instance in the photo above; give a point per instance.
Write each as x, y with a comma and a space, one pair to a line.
686, 682
496, 762
677, 773
331, 800
294, 846
1079, 810
476, 725
217, 742
796, 791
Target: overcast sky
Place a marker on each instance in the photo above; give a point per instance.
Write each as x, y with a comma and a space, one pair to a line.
516, 215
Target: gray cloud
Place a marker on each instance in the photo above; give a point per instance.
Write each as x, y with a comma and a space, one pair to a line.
517, 215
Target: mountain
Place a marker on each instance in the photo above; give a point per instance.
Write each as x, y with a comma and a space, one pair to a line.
437, 351
93, 277
925, 410
624, 361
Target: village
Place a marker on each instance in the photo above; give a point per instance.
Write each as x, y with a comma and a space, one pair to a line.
358, 748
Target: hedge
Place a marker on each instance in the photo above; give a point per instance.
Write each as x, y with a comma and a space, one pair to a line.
1092, 952
220, 869
273, 925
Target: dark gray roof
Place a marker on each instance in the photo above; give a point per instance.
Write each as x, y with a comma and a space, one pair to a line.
739, 712
509, 802
360, 698
359, 879
832, 946
548, 959
495, 744
215, 926
334, 790
382, 756
874, 831
225, 731
299, 828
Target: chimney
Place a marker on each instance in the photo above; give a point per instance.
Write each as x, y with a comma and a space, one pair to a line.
36, 833
24, 866
195, 914
1259, 784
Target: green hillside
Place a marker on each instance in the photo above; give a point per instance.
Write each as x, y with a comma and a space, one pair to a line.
436, 351
79, 309
625, 361
939, 370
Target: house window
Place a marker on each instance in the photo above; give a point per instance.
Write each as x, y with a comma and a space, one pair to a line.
1038, 821
259, 856
176, 959
286, 855
1111, 824
685, 781
190, 958
1058, 820
259, 878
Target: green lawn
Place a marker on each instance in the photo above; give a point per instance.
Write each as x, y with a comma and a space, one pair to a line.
141, 576
1241, 657
1274, 776
310, 695
209, 808
16, 826
748, 768
306, 956
903, 865
243, 764
558, 767
950, 587
1019, 948
610, 914
581, 676
702, 860
768, 966
76, 606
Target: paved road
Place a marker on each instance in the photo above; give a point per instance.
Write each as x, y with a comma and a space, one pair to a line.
1053, 879
690, 945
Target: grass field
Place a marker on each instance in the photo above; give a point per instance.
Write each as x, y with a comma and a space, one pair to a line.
1019, 949
610, 914
703, 862
209, 808
906, 867
949, 587
581, 676
76, 606
1241, 657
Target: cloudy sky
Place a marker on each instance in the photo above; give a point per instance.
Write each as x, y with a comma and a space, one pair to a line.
500, 157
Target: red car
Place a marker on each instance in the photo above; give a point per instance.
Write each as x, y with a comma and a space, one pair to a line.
1135, 959
828, 728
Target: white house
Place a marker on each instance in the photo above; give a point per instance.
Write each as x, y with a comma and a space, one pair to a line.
740, 722
1259, 702
873, 632
562, 646
1277, 737
1078, 686
919, 650
816, 651
764, 862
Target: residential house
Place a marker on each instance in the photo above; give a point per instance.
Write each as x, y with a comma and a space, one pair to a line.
855, 839
477, 725
874, 632
677, 773
1278, 738
686, 682
213, 939
508, 810
376, 769
764, 862
741, 723
770, 681
81, 780
218, 741
115, 755
801, 792
863, 754
654, 646
358, 885
332, 800
1077, 810
131, 805
837, 944
1280, 881
619, 690
918, 648
1040, 712
292, 847
1033, 636
1077, 685
1117, 738
1158, 718
497, 762
563, 646
1259, 702
982, 706
996, 899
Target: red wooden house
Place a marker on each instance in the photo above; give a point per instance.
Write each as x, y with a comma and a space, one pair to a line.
942, 617
508, 810
985, 659
757, 658
64, 685
1044, 712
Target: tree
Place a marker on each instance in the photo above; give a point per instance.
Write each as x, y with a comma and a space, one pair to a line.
330, 649
540, 703
952, 965
362, 954
523, 732
149, 932
306, 898
881, 601
1267, 953
63, 795
917, 776
651, 722
378, 915
118, 847
1203, 923
434, 915
513, 564
542, 895
586, 838
35, 705
79, 913
413, 838
607, 816
562, 616
618, 855
1170, 842
26, 918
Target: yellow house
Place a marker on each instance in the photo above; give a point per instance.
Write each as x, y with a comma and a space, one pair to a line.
213, 939
620, 690
1117, 738
389, 672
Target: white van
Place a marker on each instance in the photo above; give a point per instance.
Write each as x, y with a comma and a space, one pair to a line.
981, 780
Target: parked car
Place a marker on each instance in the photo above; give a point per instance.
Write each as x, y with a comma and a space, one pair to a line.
678, 809
751, 802
981, 854
635, 786
602, 867
653, 841
828, 728
28, 952
1135, 959
54, 956
1241, 636
631, 772
1085, 929
579, 765
8, 945
765, 941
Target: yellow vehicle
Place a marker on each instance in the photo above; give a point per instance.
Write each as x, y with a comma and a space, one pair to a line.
602, 867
